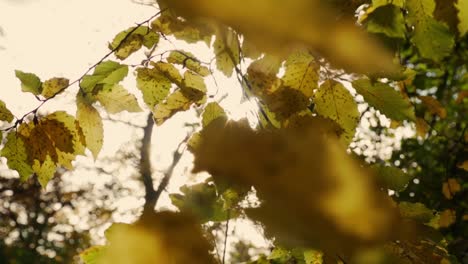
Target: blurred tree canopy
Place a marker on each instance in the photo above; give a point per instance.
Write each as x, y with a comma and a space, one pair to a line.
317, 71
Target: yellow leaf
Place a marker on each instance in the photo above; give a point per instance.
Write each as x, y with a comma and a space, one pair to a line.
44, 170
447, 218
462, 6
226, 48
276, 25
334, 101
188, 60
327, 200
302, 73
212, 112
174, 103
116, 99
91, 124
193, 86
53, 86
463, 165
164, 237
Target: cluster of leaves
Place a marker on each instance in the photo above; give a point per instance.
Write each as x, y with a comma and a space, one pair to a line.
305, 75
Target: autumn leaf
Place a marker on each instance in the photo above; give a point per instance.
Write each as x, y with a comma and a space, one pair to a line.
53, 86
433, 106
116, 99
130, 40
332, 100
91, 124
212, 111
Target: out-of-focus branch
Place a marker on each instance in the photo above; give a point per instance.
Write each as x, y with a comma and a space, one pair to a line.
145, 166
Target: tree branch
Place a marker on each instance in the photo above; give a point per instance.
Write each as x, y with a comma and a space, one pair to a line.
145, 166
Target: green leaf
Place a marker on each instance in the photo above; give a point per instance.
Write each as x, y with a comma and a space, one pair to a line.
116, 99
332, 100
420, 15
17, 157
92, 255
377, 3
226, 48
29, 82
388, 20
44, 170
212, 111
106, 73
153, 85
415, 211
386, 99
52, 86
170, 71
188, 60
201, 200
302, 73
91, 124
462, 6
5, 113
125, 44
393, 178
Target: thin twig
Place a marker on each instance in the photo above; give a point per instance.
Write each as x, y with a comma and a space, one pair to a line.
226, 235
168, 174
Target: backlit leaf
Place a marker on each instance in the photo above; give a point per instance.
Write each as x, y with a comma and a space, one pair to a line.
116, 99
153, 85
193, 86
169, 71
462, 6
5, 113
15, 152
189, 61
29, 82
190, 31
388, 20
212, 112
52, 86
226, 48
392, 178
174, 103
386, 99
332, 100
106, 73
420, 15
302, 73
203, 201
91, 124
44, 170
125, 43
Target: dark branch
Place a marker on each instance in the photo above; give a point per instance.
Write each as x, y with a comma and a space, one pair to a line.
145, 166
